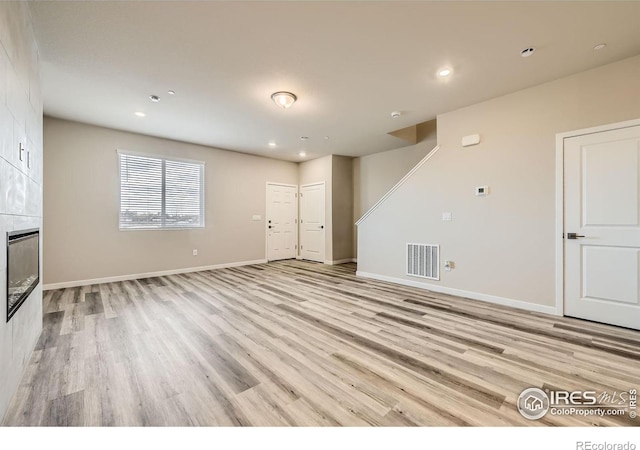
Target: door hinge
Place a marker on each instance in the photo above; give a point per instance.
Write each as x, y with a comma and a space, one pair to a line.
295, 220
296, 195
295, 247
301, 247
300, 194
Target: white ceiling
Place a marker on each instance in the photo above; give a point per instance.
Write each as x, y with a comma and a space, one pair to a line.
350, 64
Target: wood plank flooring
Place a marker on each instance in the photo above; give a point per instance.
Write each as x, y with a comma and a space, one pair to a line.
301, 344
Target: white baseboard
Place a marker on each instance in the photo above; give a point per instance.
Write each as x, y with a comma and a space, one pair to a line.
461, 293
137, 276
341, 261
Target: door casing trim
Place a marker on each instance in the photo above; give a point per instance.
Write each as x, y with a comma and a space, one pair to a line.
324, 230
560, 138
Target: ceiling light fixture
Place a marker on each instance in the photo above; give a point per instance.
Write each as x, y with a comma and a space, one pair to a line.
304, 138
302, 154
283, 99
272, 144
599, 46
154, 98
527, 52
171, 92
445, 72
139, 114
396, 114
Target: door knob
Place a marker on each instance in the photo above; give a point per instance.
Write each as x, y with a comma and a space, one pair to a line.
574, 236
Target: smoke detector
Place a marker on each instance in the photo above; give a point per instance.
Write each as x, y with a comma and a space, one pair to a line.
396, 114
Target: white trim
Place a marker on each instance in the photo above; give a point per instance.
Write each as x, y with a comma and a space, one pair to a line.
398, 184
121, 151
137, 276
341, 261
560, 137
460, 293
324, 218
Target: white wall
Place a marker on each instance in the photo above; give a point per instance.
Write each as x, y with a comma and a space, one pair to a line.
20, 186
374, 175
81, 206
503, 244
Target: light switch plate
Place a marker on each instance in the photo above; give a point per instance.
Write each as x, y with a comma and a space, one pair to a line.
446, 216
482, 191
256, 217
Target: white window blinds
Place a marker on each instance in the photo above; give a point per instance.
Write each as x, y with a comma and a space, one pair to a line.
158, 192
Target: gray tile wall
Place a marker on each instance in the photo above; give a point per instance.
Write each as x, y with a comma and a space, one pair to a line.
20, 182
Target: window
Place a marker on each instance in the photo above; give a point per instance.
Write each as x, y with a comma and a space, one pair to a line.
160, 193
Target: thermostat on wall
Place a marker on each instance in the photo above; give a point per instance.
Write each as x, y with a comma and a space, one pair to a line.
481, 191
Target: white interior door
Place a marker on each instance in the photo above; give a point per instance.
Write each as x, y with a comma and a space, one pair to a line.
282, 222
312, 222
602, 174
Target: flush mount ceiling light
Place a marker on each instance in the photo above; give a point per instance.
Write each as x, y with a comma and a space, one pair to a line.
527, 52
283, 99
154, 98
171, 92
445, 72
599, 47
271, 144
139, 114
302, 154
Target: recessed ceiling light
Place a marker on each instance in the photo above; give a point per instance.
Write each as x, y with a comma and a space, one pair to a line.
140, 114
304, 138
302, 154
283, 99
527, 52
599, 46
171, 92
326, 138
445, 72
272, 144
396, 114
154, 98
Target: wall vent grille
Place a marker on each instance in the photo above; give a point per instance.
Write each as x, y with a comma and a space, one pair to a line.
423, 260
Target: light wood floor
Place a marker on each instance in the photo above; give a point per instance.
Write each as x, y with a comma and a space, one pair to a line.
296, 343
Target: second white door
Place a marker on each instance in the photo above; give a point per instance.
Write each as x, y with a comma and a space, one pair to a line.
602, 227
282, 212
312, 222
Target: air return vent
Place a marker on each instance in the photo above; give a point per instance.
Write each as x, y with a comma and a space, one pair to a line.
423, 260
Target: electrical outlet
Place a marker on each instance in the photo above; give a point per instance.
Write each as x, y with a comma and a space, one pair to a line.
448, 265
446, 216
195, 252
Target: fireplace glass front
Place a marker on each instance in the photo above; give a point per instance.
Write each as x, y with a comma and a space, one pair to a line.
23, 267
